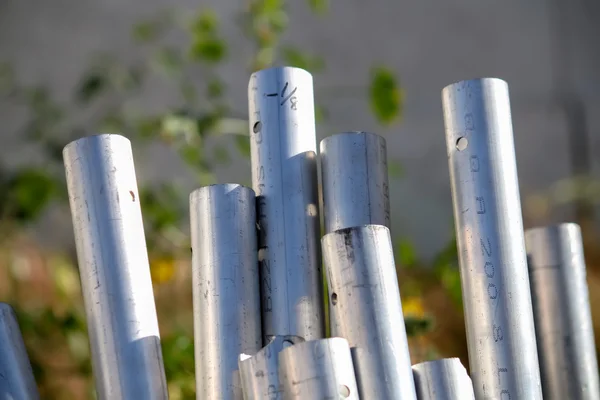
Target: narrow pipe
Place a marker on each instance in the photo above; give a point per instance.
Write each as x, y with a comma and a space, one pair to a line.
491, 247
355, 181
259, 373
319, 369
366, 310
284, 177
16, 376
225, 286
561, 307
445, 379
114, 269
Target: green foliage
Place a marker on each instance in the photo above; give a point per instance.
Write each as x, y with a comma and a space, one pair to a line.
385, 95
446, 268
406, 252
319, 6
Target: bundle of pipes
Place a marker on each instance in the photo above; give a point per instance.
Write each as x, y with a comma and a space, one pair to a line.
257, 281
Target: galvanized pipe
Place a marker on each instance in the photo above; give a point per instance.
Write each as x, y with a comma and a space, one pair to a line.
259, 373
319, 369
16, 376
225, 286
561, 307
354, 180
491, 247
365, 307
114, 269
284, 177
445, 379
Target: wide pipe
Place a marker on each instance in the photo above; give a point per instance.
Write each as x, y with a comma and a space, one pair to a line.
561, 307
225, 286
284, 177
491, 246
259, 373
443, 379
319, 369
365, 307
114, 269
16, 376
355, 180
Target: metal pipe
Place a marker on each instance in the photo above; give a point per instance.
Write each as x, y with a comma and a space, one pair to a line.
114, 269
16, 376
443, 379
284, 177
354, 180
225, 286
561, 307
319, 369
365, 309
259, 374
491, 247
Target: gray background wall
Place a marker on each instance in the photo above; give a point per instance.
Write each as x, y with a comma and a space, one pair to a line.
429, 43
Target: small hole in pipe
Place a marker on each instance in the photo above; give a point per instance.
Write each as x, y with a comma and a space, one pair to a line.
344, 391
257, 127
462, 143
334, 298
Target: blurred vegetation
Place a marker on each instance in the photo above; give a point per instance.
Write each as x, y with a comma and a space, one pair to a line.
44, 288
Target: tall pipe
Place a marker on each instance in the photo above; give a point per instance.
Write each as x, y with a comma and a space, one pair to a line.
259, 373
561, 307
114, 269
319, 369
355, 181
225, 286
365, 309
445, 379
284, 177
491, 247
16, 376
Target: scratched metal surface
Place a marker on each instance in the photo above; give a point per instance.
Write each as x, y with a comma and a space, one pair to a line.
225, 286
284, 177
491, 246
319, 369
561, 308
114, 269
365, 309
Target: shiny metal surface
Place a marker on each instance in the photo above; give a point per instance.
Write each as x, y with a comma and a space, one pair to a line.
284, 177
225, 286
489, 229
365, 307
16, 376
319, 369
259, 373
355, 180
563, 319
114, 269
444, 379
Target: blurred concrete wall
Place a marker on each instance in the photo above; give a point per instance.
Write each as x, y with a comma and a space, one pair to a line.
429, 43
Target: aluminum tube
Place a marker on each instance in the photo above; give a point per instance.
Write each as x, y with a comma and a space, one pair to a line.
445, 379
365, 309
491, 246
561, 307
226, 287
114, 269
16, 376
284, 177
355, 181
319, 369
259, 374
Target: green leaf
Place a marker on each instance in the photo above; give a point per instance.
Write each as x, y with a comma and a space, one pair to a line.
296, 58
395, 169
29, 191
208, 49
91, 86
385, 96
406, 253
205, 23
320, 113
319, 6
215, 88
243, 144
